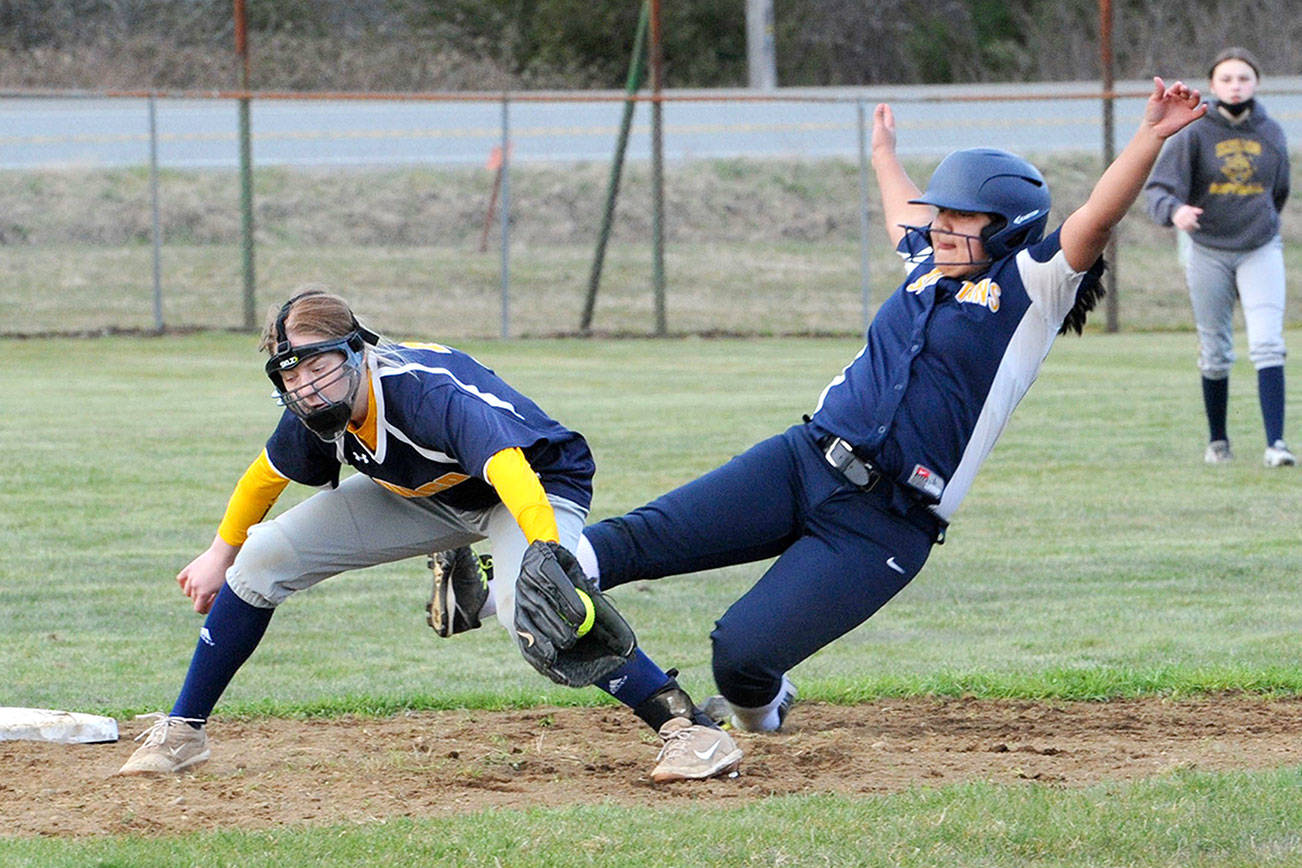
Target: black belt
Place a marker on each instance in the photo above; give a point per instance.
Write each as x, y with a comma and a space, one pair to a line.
860, 472
865, 475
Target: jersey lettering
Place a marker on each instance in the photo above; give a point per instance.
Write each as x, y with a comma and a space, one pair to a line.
985, 293
931, 278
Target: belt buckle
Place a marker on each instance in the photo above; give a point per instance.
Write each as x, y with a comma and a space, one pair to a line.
841, 456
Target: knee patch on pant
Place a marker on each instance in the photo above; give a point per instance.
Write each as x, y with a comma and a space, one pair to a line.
264, 567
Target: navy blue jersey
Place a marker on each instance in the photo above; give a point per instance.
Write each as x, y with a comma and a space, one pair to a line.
945, 363
437, 416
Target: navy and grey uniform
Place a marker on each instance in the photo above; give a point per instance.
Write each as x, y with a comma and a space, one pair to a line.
438, 415
945, 363
1238, 173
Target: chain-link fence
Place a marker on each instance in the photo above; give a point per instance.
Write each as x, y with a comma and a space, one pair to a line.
123, 212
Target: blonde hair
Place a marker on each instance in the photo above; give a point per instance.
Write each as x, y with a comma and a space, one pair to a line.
312, 309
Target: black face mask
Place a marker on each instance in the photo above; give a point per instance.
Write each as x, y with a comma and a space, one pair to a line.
1237, 109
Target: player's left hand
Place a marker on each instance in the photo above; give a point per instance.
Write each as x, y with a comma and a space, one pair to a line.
567, 629
1172, 108
883, 128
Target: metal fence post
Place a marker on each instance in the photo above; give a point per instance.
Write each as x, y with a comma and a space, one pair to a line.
246, 168
865, 290
506, 216
657, 173
246, 215
156, 230
635, 69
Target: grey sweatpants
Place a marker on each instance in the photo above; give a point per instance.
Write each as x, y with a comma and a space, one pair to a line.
361, 524
1216, 279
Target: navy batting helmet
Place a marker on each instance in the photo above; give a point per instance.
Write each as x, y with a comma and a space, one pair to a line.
995, 182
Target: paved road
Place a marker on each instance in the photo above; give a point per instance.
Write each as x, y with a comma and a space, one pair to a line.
1028, 118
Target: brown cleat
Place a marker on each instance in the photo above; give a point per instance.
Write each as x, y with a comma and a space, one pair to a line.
171, 745
694, 752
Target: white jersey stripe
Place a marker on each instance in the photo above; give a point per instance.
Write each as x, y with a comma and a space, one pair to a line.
487, 397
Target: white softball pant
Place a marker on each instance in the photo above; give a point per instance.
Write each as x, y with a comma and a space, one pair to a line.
361, 524
1216, 279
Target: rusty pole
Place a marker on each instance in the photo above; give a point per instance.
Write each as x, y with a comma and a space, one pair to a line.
1109, 148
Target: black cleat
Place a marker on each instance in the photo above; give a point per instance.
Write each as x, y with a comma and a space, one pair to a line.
460, 590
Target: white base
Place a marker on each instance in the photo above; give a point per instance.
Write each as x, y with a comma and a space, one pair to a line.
65, 727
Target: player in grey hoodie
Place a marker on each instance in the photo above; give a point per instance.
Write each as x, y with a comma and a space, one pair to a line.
1222, 181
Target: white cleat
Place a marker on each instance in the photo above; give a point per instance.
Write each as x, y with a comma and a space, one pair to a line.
1278, 455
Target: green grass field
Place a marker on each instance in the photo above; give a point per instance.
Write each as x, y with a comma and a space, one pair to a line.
1095, 557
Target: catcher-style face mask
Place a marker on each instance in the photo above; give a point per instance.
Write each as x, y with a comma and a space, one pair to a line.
324, 399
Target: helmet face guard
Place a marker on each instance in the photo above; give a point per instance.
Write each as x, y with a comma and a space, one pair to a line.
994, 182
324, 416
927, 231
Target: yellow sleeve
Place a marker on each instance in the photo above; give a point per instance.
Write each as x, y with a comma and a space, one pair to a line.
254, 494
515, 482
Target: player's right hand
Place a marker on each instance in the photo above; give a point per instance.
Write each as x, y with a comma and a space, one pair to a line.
1186, 217
202, 578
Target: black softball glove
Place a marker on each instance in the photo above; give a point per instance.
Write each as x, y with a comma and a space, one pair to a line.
567, 629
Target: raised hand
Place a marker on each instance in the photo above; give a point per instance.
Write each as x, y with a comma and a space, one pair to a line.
1170, 109
883, 128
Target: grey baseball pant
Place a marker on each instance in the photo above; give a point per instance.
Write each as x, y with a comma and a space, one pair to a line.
361, 524
1216, 279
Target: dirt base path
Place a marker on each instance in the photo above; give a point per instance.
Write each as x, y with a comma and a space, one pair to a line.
267, 773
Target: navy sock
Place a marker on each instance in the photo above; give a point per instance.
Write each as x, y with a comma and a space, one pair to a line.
229, 635
635, 681
1270, 392
1216, 398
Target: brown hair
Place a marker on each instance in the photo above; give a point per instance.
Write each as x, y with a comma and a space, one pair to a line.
312, 309
1234, 52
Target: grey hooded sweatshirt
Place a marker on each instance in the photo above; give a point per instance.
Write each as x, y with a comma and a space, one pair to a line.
1237, 173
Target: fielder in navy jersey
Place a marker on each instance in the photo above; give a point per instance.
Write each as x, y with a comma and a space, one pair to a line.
446, 453
851, 501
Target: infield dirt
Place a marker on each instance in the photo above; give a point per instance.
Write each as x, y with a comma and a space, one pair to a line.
273, 772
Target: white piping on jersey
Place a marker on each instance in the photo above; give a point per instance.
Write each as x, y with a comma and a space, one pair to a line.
274, 468
384, 427
487, 397
431, 454
838, 379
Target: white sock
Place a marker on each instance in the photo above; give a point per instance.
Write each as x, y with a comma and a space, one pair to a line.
587, 558
489, 609
765, 718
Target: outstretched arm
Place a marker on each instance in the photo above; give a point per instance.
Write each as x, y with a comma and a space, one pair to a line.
896, 186
1086, 231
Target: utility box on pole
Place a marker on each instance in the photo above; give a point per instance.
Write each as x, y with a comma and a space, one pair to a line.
761, 56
